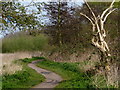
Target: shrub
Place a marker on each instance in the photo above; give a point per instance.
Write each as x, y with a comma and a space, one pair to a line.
24, 43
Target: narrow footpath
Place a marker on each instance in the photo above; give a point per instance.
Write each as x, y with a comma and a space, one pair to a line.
52, 79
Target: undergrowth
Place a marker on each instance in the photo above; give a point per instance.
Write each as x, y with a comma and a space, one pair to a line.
24, 43
22, 79
72, 75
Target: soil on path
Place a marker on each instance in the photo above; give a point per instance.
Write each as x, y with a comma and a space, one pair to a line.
52, 79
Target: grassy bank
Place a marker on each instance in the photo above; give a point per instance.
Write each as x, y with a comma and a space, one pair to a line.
22, 79
0, 82
73, 76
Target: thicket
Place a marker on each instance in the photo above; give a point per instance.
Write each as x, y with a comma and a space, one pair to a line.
24, 43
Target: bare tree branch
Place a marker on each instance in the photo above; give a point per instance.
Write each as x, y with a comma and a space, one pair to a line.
98, 23
108, 14
90, 10
87, 18
98, 40
104, 12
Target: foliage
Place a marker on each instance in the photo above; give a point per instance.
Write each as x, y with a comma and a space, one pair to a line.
24, 43
73, 77
29, 60
16, 16
22, 79
60, 14
77, 30
109, 74
0, 82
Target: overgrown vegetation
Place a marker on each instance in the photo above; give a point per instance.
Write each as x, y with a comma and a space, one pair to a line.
22, 79
24, 43
29, 60
68, 32
0, 82
73, 76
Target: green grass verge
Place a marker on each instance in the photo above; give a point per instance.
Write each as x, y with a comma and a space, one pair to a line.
29, 60
22, 79
70, 72
0, 82
72, 75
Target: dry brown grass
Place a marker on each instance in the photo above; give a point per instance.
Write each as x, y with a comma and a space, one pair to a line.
7, 66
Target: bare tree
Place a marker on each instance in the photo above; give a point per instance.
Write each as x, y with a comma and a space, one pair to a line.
99, 35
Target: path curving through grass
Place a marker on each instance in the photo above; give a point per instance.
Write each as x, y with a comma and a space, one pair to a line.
52, 79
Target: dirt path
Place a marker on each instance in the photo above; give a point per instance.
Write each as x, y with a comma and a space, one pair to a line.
52, 79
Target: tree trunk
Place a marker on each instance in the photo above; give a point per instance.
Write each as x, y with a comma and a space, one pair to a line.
98, 40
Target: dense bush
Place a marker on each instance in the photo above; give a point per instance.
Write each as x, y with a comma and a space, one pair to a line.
24, 43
